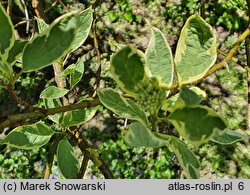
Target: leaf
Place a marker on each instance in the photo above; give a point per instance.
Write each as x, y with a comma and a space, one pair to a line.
159, 57
140, 136
7, 37
6, 71
53, 103
84, 24
186, 157
53, 92
75, 71
52, 44
227, 137
186, 97
190, 97
196, 50
67, 162
16, 51
29, 136
78, 117
197, 124
127, 67
123, 107
42, 26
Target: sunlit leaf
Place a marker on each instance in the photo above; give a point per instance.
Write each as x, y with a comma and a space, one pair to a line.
28, 136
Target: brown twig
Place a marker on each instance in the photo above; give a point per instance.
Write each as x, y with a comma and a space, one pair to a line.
50, 157
39, 10
84, 165
12, 120
230, 54
57, 65
18, 99
96, 47
85, 146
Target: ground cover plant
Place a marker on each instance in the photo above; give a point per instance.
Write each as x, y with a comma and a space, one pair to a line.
154, 96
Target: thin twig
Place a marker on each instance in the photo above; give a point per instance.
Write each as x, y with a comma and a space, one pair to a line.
50, 157
12, 120
18, 99
98, 76
230, 54
85, 146
9, 7
26, 13
84, 165
20, 23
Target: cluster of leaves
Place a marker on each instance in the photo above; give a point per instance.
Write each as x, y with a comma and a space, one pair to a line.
145, 77
40, 52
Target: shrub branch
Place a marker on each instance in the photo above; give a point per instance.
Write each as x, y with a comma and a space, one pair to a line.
12, 120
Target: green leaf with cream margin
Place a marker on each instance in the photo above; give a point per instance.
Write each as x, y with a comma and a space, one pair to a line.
125, 108
50, 45
196, 50
197, 124
53, 92
53, 103
140, 136
28, 136
128, 68
7, 37
227, 137
186, 97
188, 161
75, 72
78, 117
16, 51
84, 24
67, 162
159, 58
42, 26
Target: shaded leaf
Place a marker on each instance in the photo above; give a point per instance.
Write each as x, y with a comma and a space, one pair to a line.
7, 37
127, 67
67, 162
16, 51
28, 136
